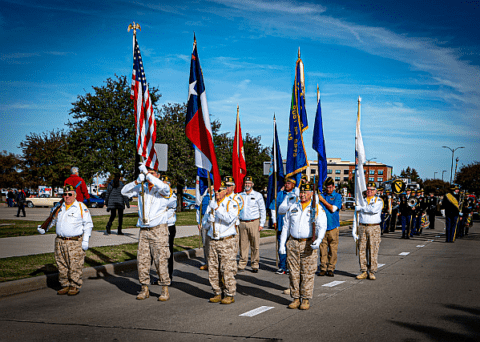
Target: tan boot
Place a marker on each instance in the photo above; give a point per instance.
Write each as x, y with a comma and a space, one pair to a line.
73, 291
305, 304
287, 291
371, 276
364, 275
144, 293
216, 299
228, 300
165, 295
295, 304
63, 291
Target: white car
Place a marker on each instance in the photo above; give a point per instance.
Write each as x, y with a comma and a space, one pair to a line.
44, 200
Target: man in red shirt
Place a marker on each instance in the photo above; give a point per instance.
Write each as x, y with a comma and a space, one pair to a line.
79, 184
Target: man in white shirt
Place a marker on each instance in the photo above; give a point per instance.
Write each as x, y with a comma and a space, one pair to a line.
252, 219
153, 236
220, 220
369, 218
73, 227
301, 247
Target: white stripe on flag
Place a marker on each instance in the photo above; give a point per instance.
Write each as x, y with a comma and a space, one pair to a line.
256, 311
334, 283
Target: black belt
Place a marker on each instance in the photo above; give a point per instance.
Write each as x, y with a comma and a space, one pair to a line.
248, 220
74, 238
226, 238
300, 240
369, 224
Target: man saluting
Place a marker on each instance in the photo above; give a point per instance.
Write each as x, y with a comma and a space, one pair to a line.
299, 221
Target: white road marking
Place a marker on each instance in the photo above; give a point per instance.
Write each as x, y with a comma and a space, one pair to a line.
256, 311
334, 283
420, 245
438, 236
380, 265
404, 253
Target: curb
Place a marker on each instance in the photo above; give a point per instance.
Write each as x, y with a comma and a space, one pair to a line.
14, 287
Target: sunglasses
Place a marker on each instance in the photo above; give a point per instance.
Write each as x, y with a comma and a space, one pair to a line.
69, 194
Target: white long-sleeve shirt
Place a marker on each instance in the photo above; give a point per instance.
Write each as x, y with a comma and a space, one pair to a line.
253, 207
156, 201
298, 222
371, 213
225, 216
74, 221
172, 210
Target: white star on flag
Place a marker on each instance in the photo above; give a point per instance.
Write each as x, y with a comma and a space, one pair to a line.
191, 89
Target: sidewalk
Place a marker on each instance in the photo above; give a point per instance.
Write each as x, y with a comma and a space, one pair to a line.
40, 244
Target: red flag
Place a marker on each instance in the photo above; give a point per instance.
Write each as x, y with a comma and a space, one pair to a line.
239, 166
145, 124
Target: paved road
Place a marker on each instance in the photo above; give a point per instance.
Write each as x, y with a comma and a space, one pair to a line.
429, 294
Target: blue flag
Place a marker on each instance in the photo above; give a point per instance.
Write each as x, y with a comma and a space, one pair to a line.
276, 167
298, 123
318, 144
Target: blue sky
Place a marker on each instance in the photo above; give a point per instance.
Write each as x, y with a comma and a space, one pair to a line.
416, 66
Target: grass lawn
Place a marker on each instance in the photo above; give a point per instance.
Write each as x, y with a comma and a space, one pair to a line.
11, 228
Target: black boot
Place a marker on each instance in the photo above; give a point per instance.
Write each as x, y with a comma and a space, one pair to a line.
109, 224
119, 232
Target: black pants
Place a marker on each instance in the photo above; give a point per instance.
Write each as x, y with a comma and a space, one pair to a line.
431, 218
113, 213
21, 207
172, 230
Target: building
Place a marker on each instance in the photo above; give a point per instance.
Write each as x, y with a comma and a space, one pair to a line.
343, 170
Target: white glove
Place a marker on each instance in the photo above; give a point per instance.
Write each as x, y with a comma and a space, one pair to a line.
355, 236
358, 208
84, 245
282, 249
316, 244
141, 178
40, 230
143, 169
213, 204
211, 218
443, 212
292, 198
461, 214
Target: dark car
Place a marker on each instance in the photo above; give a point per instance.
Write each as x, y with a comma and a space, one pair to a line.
95, 201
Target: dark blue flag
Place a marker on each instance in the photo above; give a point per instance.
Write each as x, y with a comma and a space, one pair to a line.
318, 144
276, 167
298, 123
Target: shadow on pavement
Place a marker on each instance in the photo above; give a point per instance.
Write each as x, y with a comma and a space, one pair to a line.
468, 321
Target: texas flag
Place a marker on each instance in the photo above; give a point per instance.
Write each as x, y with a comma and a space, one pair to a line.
197, 126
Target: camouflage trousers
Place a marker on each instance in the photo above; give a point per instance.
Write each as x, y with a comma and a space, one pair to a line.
249, 237
69, 257
328, 250
302, 263
368, 240
153, 243
222, 265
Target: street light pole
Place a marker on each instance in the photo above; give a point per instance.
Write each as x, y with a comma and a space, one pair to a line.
442, 174
453, 152
434, 177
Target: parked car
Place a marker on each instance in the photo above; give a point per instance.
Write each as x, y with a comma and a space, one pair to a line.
348, 202
188, 201
95, 201
44, 200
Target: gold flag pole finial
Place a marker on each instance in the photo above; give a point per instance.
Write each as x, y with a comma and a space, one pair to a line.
299, 52
134, 27
318, 94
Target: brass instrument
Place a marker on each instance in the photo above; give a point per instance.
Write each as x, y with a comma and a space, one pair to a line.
412, 202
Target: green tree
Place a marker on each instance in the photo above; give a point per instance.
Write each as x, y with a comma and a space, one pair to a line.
9, 173
438, 186
469, 177
255, 155
103, 129
412, 174
46, 158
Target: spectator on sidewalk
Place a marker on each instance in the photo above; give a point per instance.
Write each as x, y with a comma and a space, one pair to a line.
79, 184
10, 198
21, 199
115, 201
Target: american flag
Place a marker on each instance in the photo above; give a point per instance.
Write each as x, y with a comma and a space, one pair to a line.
145, 125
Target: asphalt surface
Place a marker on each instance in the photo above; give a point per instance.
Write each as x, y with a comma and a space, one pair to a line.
429, 294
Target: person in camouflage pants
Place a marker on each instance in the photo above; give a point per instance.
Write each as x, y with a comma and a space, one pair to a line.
372, 234
222, 266
302, 263
153, 242
69, 257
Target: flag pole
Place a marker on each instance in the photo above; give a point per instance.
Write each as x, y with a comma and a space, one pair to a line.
213, 210
356, 169
275, 187
134, 27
